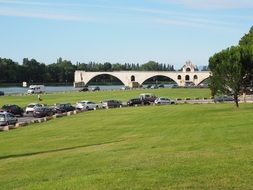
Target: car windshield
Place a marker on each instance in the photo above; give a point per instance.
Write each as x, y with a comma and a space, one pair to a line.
2, 117
31, 106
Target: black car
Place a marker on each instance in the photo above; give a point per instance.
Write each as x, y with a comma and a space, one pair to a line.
161, 86
111, 104
42, 112
1, 93
14, 109
63, 107
137, 101
84, 89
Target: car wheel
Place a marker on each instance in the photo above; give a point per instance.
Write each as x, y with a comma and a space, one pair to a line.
87, 107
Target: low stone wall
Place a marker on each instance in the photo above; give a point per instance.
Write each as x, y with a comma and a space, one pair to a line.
38, 120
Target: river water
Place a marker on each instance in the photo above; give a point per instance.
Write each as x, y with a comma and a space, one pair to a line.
48, 89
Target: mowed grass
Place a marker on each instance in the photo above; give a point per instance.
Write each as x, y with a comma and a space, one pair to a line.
153, 147
73, 97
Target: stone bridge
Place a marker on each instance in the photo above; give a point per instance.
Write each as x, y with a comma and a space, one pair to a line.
187, 75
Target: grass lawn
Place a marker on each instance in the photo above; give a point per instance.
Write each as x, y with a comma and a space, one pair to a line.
73, 97
154, 147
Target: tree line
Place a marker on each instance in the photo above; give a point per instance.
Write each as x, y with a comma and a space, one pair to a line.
62, 71
232, 68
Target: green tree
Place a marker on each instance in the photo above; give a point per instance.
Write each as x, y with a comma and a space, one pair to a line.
227, 72
246, 44
247, 39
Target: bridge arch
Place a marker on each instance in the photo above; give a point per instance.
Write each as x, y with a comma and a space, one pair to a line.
202, 80
158, 75
88, 80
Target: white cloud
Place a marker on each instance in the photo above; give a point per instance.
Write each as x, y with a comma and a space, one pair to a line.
214, 3
48, 4
43, 15
195, 22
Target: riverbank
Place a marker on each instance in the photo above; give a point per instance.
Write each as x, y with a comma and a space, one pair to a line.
50, 89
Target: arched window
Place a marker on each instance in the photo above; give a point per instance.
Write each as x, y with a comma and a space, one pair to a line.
187, 77
132, 78
188, 69
179, 77
195, 77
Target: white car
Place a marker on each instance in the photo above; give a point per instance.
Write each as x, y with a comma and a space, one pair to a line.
31, 107
125, 88
86, 105
33, 89
164, 100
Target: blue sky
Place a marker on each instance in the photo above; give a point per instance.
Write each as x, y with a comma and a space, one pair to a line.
134, 31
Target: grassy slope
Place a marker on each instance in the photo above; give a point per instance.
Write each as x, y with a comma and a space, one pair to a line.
73, 97
154, 147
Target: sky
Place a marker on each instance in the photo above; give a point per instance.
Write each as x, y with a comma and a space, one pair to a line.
123, 31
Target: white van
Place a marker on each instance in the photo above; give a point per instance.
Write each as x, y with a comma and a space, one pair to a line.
34, 89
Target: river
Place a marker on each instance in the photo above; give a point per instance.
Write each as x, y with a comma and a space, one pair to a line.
48, 89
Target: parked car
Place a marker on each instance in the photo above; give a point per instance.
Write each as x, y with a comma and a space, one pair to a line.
1, 93
134, 101
148, 86
125, 88
33, 89
174, 86
43, 112
84, 89
86, 105
148, 97
154, 87
7, 118
14, 109
95, 88
111, 104
189, 84
30, 108
164, 100
223, 99
203, 85
63, 107
161, 86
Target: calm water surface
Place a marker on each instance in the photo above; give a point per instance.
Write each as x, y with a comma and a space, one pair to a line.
21, 90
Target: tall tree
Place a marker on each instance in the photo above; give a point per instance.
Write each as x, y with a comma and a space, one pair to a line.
246, 44
227, 72
247, 39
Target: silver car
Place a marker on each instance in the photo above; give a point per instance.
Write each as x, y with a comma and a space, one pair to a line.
164, 100
7, 118
86, 105
31, 107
